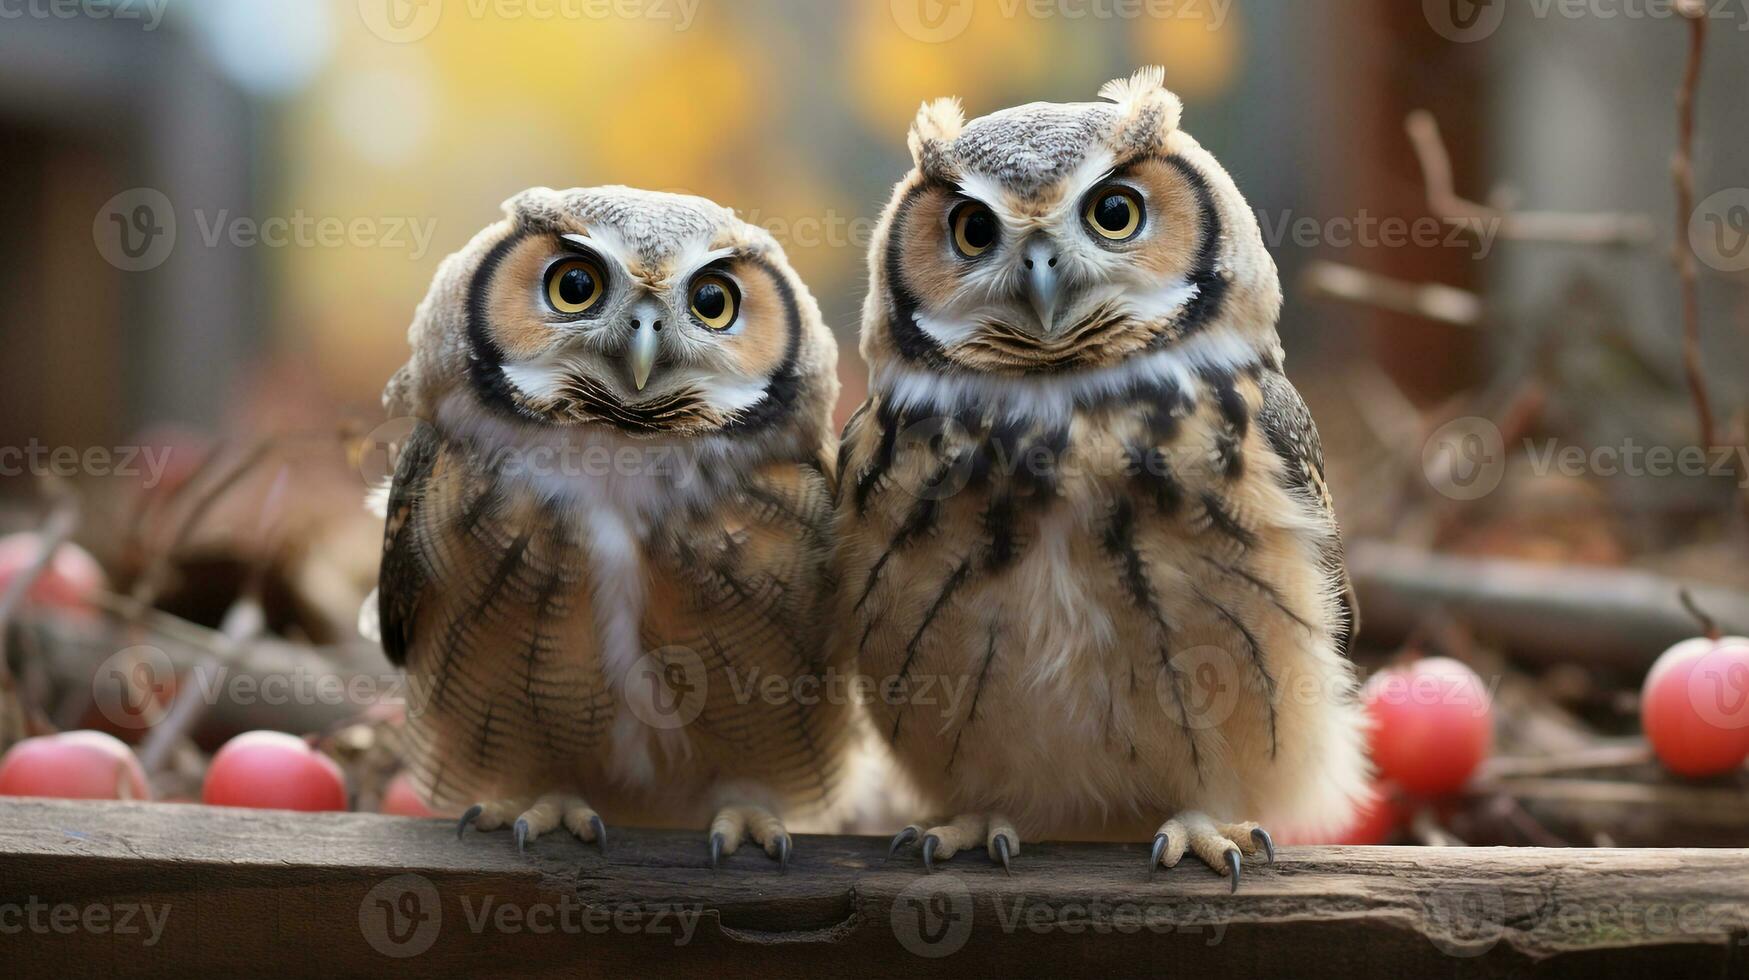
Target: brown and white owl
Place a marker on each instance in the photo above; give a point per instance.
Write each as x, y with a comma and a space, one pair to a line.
1083, 494
613, 525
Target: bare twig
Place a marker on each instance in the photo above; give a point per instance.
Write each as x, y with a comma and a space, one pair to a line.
1606, 229
1446, 304
1708, 625
1427, 830
1682, 171
1592, 757
62, 520
244, 621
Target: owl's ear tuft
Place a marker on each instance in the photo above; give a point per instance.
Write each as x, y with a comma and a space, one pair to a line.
533, 207
937, 125
1147, 112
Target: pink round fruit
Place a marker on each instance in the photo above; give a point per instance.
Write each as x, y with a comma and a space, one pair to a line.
72, 577
1694, 706
80, 765
1375, 820
1432, 724
273, 771
401, 799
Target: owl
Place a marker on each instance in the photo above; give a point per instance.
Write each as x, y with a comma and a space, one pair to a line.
1086, 551
612, 527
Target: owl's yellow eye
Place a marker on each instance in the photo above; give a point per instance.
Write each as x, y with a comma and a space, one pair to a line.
714, 301
1114, 213
574, 285
974, 229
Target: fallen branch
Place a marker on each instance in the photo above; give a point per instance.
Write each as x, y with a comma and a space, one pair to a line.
1600, 617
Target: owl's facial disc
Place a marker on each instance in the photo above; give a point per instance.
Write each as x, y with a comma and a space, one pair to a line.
576, 329
1079, 274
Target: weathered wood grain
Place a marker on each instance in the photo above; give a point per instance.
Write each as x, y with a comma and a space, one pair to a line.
255, 893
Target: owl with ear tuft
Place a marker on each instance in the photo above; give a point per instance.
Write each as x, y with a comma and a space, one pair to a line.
1082, 488
613, 521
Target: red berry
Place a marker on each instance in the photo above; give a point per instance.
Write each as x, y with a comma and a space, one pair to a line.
69, 581
1694, 706
81, 765
401, 799
1375, 820
273, 771
1432, 724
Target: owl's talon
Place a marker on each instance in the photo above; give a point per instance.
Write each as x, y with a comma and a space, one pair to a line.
900, 839
1263, 839
1160, 841
992, 832
522, 835
1221, 846
600, 832
736, 823
469, 816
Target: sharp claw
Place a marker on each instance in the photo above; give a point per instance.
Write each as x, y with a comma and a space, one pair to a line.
468, 818
716, 849
600, 829
1233, 866
902, 838
1160, 841
930, 843
1261, 836
1001, 844
783, 851
521, 835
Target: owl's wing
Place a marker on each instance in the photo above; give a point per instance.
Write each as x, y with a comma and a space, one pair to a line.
745, 588
402, 580
482, 601
1294, 436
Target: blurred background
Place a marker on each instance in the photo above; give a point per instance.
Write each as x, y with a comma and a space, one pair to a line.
218, 216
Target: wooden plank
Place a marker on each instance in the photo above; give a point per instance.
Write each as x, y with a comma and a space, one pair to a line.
133, 889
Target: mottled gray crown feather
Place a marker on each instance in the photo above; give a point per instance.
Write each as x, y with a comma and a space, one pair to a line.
1030, 147
651, 223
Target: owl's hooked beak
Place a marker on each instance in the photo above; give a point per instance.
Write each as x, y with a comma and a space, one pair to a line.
644, 346
1042, 285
